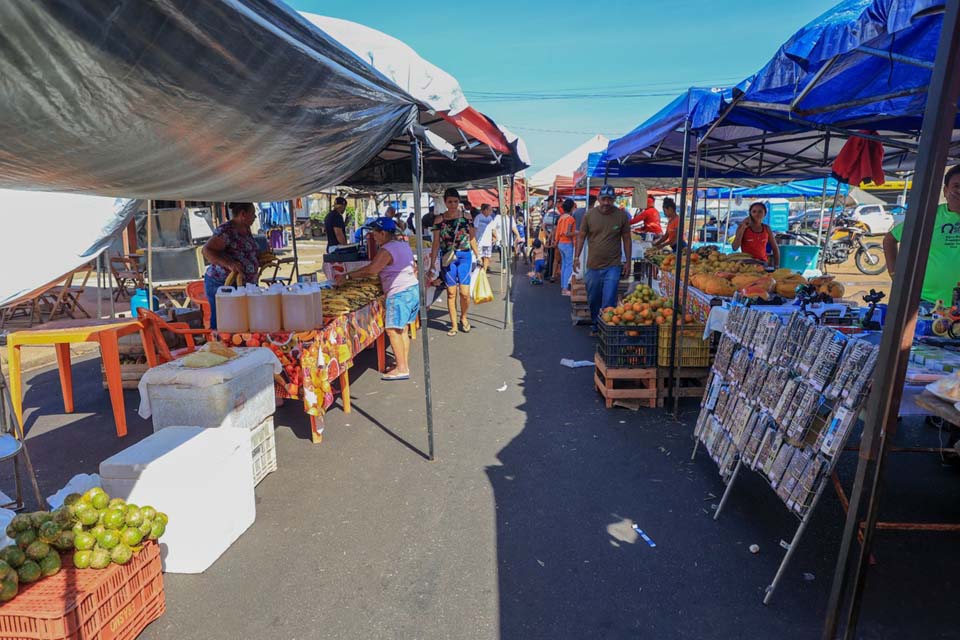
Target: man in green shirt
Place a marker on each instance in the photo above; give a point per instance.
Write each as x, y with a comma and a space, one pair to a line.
943, 261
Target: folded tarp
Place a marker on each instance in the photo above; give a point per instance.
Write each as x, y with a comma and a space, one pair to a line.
48, 235
216, 100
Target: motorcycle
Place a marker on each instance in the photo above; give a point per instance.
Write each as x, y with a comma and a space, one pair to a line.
848, 236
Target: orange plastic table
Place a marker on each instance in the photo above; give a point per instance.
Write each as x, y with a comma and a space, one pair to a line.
61, 335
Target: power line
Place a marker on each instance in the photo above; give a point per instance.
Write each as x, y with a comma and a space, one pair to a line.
565, 131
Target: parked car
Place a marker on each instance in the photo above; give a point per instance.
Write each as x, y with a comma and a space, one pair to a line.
875, 216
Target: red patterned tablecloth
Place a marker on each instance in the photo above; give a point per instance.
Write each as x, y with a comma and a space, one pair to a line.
313, 359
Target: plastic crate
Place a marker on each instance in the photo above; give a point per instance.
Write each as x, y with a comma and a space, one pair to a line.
800, 258
692, 349
263, 442
627, 346
116, 603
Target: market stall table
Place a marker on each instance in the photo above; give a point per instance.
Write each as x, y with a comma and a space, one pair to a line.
313, 360
61, 335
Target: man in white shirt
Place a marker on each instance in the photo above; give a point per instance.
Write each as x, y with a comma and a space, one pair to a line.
486, 233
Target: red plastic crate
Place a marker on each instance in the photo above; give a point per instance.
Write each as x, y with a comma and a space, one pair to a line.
115, 603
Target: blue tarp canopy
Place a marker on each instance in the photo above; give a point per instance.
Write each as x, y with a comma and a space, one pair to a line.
863, 63
812, 188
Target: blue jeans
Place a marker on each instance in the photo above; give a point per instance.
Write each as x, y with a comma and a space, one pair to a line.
601, 289
210, 287
566, 263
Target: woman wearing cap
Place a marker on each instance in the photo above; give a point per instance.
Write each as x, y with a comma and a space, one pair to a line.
231, 249
454, 238
394, 264
754, 236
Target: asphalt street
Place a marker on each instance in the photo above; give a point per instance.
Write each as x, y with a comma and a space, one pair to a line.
522, 527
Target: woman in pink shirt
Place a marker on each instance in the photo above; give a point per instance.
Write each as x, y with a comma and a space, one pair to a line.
394, 264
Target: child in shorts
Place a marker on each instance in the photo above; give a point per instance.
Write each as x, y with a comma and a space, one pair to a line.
539, 262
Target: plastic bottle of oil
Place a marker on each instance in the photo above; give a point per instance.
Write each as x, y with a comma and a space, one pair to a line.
232, 313
265, 309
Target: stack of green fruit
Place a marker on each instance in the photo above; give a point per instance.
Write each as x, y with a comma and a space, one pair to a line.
39, 537
110, 530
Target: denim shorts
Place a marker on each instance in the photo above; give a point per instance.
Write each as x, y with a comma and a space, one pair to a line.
402, 308
458, 273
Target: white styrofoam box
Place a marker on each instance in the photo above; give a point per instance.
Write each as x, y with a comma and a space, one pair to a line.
263, 442
242, 401
200, 478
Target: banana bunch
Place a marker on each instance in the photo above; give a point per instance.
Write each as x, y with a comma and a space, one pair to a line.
234, 279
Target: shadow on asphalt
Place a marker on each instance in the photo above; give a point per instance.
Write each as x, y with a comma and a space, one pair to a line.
570, 486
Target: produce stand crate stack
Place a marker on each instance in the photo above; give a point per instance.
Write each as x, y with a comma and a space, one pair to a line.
625, 364
579, 309
116, 603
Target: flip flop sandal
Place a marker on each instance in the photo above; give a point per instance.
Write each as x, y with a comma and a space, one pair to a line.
466, 327
452, 331
399, 376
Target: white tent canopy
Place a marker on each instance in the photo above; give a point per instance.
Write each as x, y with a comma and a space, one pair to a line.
51, 234
397, 61
568, 164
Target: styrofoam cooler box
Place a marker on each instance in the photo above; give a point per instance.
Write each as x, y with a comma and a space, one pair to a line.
243, 400
200, 478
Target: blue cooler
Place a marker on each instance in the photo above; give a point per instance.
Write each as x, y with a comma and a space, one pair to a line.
800, 258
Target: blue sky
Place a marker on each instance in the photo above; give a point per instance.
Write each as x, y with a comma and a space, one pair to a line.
640, 47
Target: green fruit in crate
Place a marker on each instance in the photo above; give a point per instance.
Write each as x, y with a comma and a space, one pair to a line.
72, 500
21, 522
161, 517
121, 554
29, 572
84, 541
78, 528
9, 590
5, 569
100, 559
98, 530
38, 550
134, 517
13, 556
113, 519
145, 528
11, 532
109, 539
64, 541
96, 496
131, 536
81, 559
87, 515
50, 566
148, 513
26, 538
49, 531
157, 530
117, 502
101, 516
37, 518
63, 517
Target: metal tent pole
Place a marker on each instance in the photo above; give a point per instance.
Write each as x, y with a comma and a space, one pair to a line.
676, 279
295, 273
885, 394
822, 261
149, 257
99, 286
421, 275
823, 206
686, 272
502, 240
508, 252
726, 230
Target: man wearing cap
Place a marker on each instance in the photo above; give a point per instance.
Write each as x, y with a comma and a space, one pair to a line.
607, 229
334, 224
391, 213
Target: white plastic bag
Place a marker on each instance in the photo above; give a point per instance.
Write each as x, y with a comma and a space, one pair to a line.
80, 483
